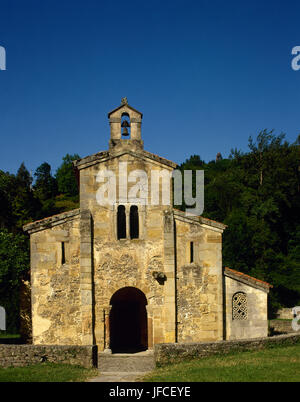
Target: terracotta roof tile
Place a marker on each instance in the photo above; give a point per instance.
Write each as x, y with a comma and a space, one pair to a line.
263, 283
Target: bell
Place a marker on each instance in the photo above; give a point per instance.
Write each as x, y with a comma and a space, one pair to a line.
125, 132
124, 125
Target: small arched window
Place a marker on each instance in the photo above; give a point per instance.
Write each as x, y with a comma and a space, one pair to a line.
63, 253
191, 252
121, 222
239, 306
134, 222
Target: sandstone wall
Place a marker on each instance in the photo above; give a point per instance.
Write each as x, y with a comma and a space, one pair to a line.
285, 313
256, 324
25, 312
24, 355
130, 262
174, 353
281, 326
199, 284
56, 315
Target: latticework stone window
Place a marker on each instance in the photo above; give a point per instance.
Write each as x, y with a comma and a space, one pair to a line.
239, 306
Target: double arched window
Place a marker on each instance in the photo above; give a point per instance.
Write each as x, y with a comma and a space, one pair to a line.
133, 222
239, 306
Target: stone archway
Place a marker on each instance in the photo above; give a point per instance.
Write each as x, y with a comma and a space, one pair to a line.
128, 321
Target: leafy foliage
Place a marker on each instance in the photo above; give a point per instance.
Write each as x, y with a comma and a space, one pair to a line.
257, 194
45, 185
21, 202
65, 177
14, 266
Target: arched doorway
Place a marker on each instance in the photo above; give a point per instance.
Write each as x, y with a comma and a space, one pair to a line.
128, 321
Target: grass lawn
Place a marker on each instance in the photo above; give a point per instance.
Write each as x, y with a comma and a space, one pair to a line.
4, 335
46, 372
272, 365
280, 319
6, 338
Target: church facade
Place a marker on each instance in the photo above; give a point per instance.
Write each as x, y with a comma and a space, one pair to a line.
130, 273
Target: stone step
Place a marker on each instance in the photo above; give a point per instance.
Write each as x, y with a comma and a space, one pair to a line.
122, 362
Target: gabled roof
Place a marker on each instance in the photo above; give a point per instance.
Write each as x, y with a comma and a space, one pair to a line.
158, 158
51, 221
122, 105
199, 219
247, 279
91, 159
105, 155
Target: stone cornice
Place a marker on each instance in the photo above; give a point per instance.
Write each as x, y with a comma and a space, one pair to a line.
124, 105
91, 160
54, 220
106, 155
200, 220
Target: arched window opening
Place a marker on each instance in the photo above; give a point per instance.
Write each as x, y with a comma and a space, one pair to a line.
134, 222
121, 222
239, 306
125, 124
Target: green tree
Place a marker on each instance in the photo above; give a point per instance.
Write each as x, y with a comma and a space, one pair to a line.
266, 143
45, 186
7, 193
65, 176
24, 205
14, 266
45, 190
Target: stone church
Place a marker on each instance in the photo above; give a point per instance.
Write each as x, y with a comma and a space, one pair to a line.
128, 274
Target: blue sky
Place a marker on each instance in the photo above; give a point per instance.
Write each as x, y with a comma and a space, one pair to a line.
205, 74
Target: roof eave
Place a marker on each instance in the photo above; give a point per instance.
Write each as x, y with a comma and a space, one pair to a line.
119, 107
200, 220
247, 279
51, 221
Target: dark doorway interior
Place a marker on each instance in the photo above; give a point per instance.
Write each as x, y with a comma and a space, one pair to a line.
128, 321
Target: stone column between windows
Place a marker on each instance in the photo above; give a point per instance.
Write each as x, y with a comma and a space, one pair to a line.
86, 287
127, 213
